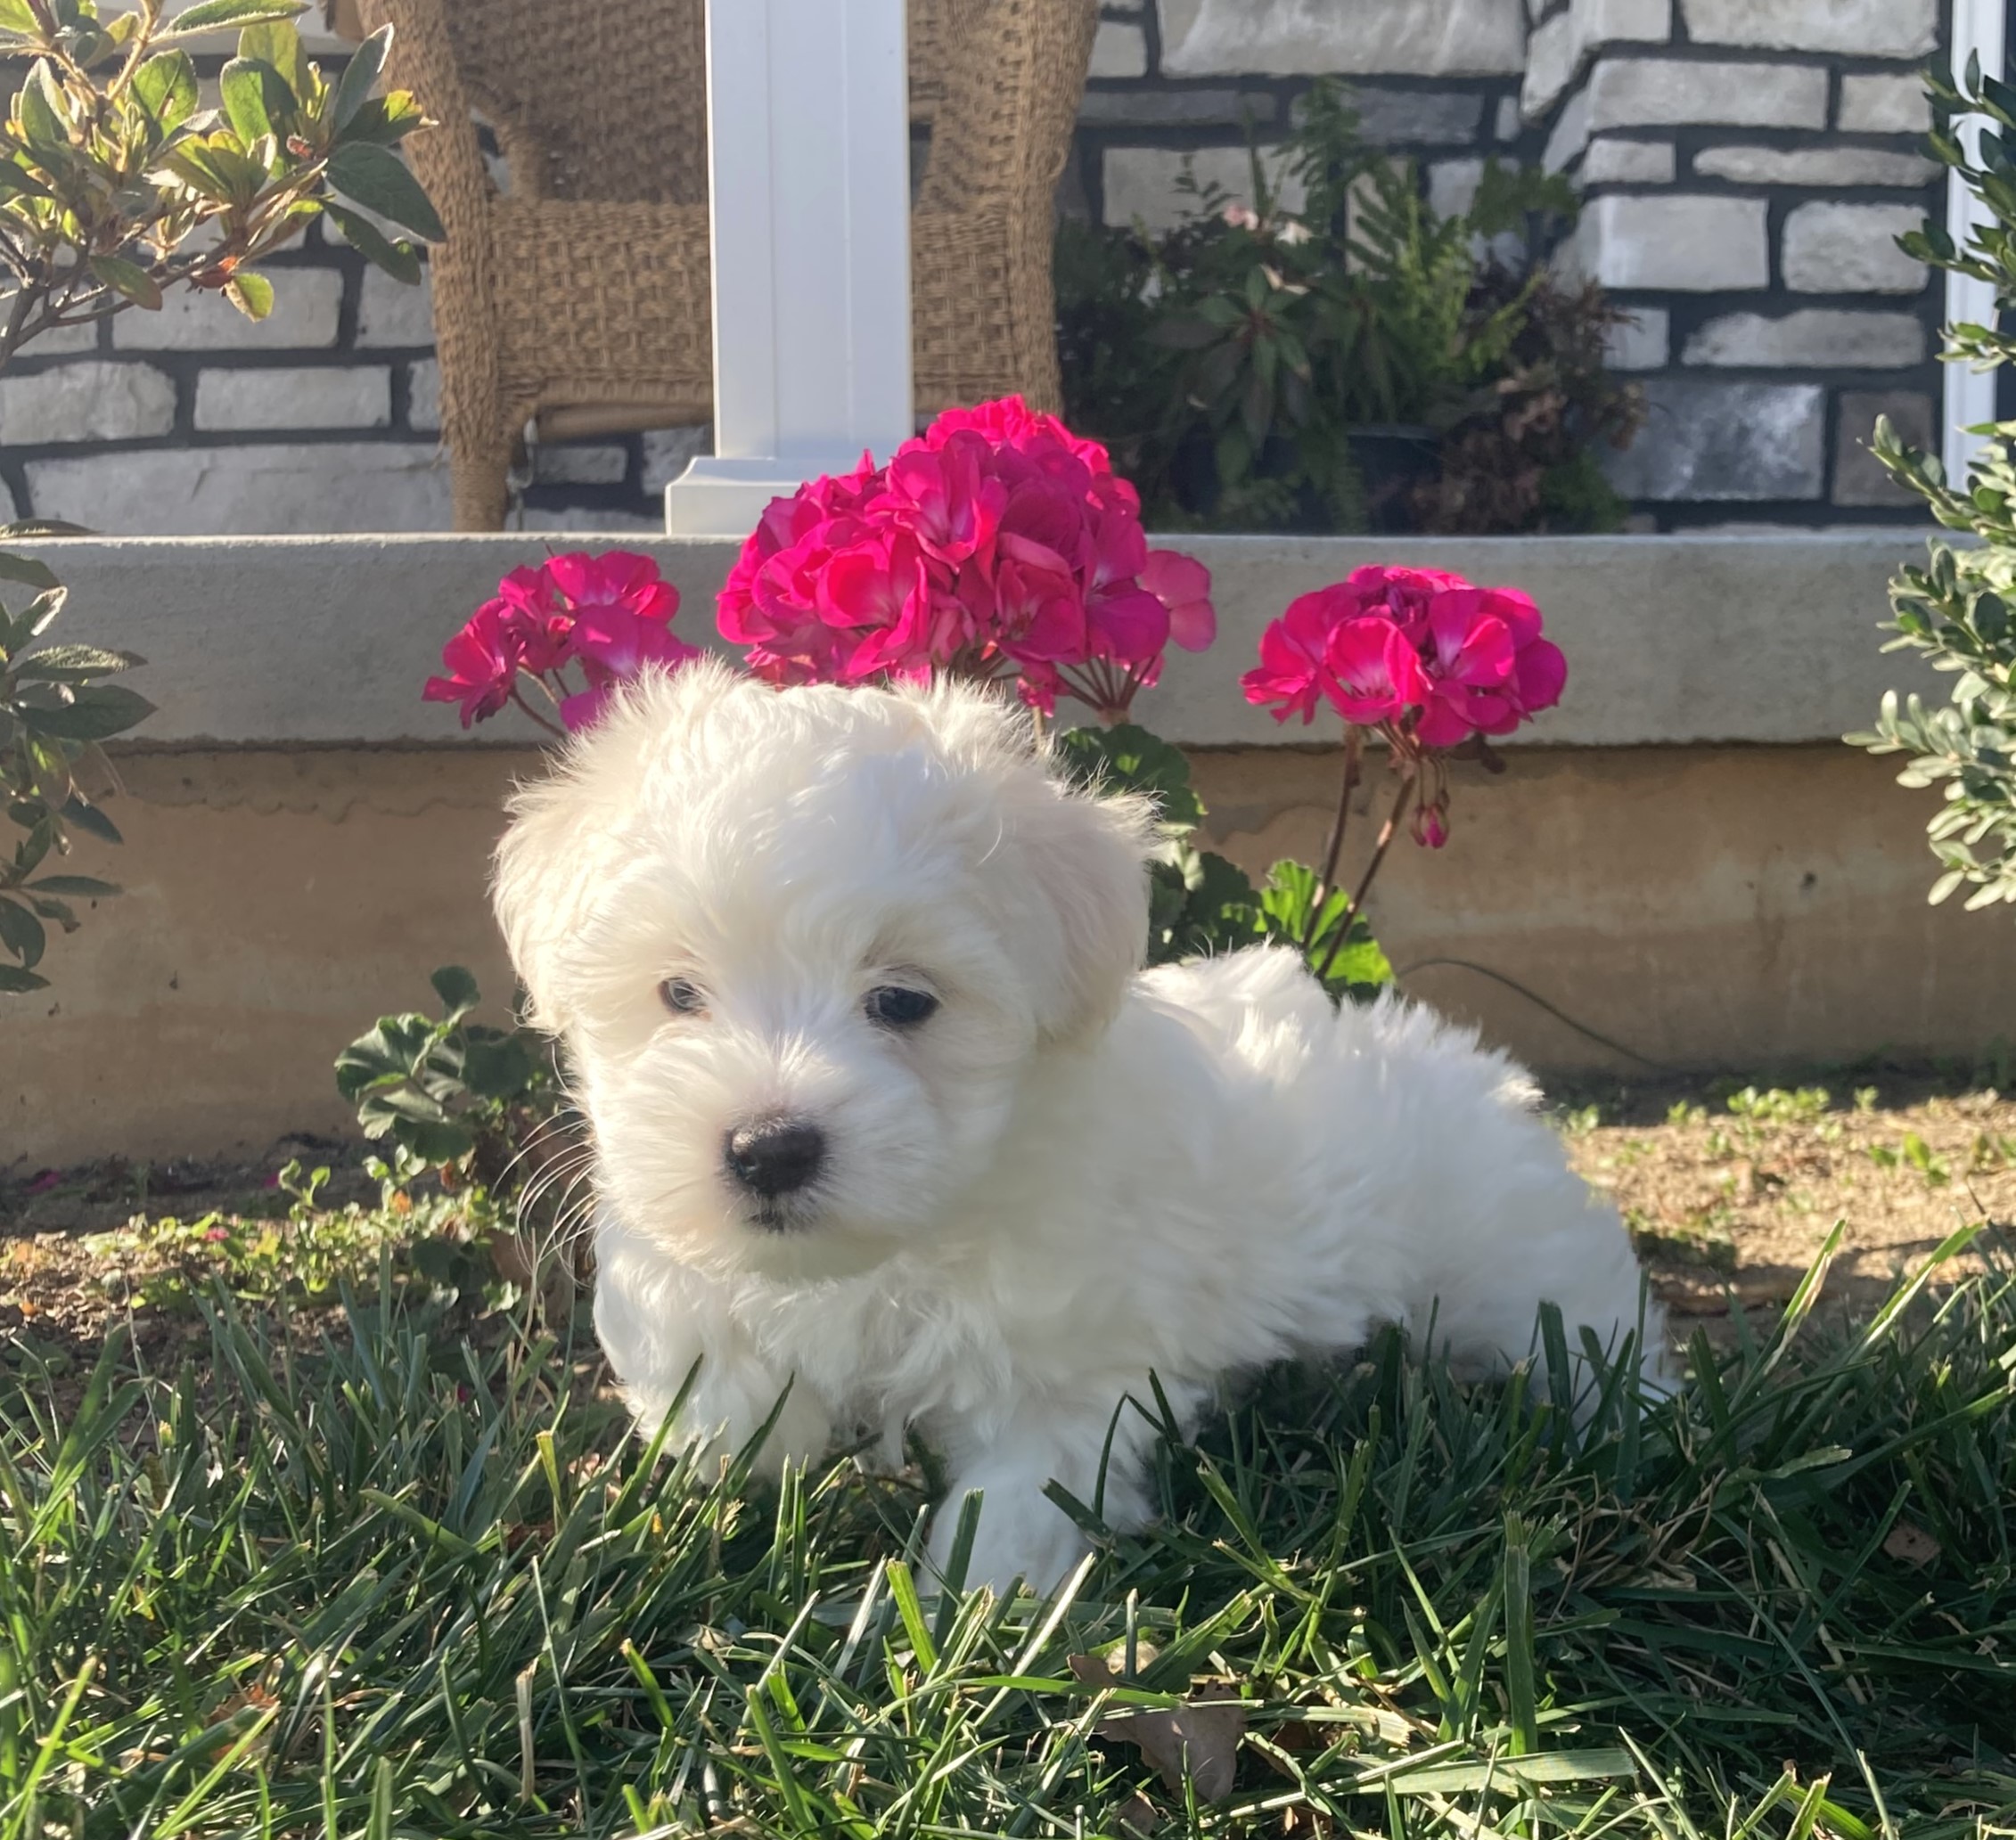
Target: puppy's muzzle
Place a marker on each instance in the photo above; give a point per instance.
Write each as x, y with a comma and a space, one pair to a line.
773, 1156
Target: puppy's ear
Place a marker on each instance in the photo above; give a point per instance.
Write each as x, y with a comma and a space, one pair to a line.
541, 886
566, 836
1083, 863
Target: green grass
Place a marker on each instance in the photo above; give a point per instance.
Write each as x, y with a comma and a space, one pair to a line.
397, 1582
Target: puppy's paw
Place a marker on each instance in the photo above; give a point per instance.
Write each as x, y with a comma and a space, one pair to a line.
1022, 1534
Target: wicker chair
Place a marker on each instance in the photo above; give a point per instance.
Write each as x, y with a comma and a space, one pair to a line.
580, 299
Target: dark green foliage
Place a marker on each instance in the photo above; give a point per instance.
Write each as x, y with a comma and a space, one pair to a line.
55, 709
448, 1092
1237, 364
1200, 903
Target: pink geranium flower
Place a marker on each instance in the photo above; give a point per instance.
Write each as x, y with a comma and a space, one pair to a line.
608, 617
1426, 659
1294, 669
1375, 674
482, 662
995, 542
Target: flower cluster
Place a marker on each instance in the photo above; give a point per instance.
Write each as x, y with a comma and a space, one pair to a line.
1427, 659
995, 541
609, 616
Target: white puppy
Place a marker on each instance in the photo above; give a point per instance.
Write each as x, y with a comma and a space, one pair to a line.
885, 1111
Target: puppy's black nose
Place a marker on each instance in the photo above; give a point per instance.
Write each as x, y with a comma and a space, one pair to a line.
773, 1156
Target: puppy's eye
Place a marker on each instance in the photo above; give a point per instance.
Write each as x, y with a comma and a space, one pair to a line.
683, 996
893, 1006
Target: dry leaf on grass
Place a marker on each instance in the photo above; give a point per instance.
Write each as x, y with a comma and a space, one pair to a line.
1200, 1740
1911, 1545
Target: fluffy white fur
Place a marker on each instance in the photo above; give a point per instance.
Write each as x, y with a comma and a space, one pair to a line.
1073, 1175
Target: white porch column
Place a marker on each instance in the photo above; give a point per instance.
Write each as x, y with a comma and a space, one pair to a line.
808, 135
1978, 30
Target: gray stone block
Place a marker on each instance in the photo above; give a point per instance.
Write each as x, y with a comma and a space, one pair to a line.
62, 341
1868, 29
1570, 136
1642, 342
305, 302
322, 395
390, 313
1140, 182
1723, 442
1859, 477
248, 491
1816, 339
1552, 55
1612, 161
1508, 123
89, 400
668, 451
1681, 242
600, 522
1851, 248
1452, 185
599, 464
1398, 117
1832, 167
1644, 92
1318, 37
1557, 50
424, 397
1173, 108
1120, 50
1874, 103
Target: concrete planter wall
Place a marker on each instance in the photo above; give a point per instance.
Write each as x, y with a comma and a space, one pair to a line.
1682, 856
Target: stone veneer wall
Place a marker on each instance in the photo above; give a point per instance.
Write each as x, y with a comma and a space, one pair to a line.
1748, 167
1748, 163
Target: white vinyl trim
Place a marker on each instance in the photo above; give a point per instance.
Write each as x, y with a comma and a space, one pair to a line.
1978, 31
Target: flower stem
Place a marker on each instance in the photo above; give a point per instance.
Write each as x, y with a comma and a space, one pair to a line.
517, 696
1354, 755
1386, 832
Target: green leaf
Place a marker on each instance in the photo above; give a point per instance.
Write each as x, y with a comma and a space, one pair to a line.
16, 16
275, 42
99, 712
353, 89
41, 108
166, 86
207, 15
377, 178
456, 988
1127, 758
252, 294
500, 1069
79, 815
15, 982
129, 279
27, 570
432, 1144
386, 120
398, 260
246, 87
22, 934
67, 663
81, 888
